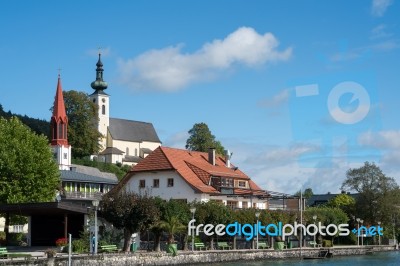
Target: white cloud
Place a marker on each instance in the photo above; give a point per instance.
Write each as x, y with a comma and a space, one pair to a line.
379, 7
177, 140
380, 32
389, 139
277, 100
170, 69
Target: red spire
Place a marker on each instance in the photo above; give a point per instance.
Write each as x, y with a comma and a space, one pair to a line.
59, 120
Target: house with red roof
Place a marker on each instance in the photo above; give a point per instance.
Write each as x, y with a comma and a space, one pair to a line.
189, 176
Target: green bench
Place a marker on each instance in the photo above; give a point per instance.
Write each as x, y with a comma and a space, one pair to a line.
314, 244
263, 245
223, 245
5, 254
109, 248
199, 246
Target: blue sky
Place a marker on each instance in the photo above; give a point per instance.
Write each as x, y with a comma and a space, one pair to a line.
299, 91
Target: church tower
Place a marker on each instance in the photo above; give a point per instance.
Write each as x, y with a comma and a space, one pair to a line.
59, 131
101, 100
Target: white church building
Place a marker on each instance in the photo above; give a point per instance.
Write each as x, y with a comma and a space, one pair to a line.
124, 141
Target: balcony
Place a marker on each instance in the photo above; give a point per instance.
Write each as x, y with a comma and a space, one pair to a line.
79, 195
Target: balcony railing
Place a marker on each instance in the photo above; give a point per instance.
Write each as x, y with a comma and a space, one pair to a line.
83, 195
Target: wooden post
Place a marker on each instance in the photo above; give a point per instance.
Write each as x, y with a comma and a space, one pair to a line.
65, 225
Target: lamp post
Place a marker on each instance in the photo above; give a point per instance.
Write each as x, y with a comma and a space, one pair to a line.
95, 204
394, 233
362, 233
315, 218
193, 210
379, 236
257, 215
358, 231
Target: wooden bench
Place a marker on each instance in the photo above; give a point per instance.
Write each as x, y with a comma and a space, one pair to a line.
199, 246
314, 244
109, 248
223, 245
263, 245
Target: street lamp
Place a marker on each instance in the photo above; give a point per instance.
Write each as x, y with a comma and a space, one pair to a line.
394, 233
379, 236
358, 231
193, 210
95, 204
315, 218
362, 233
257, 215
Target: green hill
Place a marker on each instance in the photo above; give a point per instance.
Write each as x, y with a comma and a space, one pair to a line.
39, 126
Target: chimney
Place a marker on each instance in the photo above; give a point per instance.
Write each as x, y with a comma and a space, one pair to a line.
228, 158
211, 156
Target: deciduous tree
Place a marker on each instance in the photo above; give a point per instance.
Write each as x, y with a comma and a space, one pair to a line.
130, 212
378, 197
82, 132
201, 139
28, 172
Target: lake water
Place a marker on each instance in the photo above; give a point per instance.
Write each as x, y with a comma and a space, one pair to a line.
380, 258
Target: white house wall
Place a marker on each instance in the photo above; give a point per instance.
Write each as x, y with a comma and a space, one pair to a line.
123, 145
181, 190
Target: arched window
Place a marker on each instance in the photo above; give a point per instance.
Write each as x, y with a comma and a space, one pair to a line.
103, 109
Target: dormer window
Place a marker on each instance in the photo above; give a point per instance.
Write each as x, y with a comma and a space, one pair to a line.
226, 182
242, 184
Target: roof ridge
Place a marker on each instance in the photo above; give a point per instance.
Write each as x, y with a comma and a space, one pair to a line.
124, 119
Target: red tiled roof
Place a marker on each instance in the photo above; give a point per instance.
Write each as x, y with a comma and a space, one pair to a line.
192, 166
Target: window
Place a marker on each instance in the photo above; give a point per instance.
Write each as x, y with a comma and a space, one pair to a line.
170, 182
103, 109
226, 182
135, 151
156, 182
142, 183
94, 100
18, 228
242, 184
65, 155
127, 151
244, 204
231, 204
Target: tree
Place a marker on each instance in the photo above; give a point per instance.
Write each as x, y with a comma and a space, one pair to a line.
130, 212
307, 193
378, 196
28, 172
212, 212
201, 139
82, 116
343, 201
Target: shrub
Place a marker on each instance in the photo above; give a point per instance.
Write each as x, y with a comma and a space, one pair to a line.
326, 243
80, 246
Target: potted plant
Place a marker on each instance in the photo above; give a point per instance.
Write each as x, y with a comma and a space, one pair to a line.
61, 243
50, 253
172, 225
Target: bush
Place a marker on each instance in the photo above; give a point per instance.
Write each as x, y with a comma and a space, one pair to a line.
80, 246
326, 243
